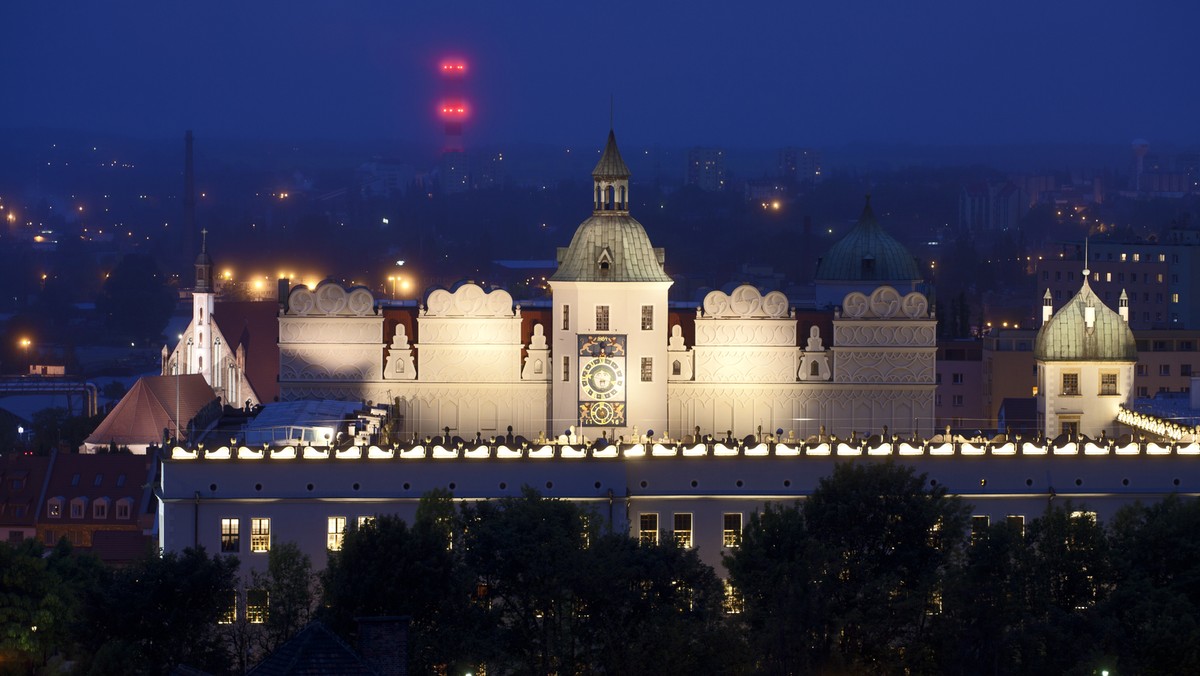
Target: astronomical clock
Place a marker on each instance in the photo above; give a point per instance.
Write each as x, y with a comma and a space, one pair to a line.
602, 381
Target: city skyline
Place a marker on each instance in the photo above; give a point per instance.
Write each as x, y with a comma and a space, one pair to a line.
859, 72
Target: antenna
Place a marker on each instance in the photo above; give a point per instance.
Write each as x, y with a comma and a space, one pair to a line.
1086, 272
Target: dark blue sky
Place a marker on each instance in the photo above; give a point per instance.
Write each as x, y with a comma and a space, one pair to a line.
698, 72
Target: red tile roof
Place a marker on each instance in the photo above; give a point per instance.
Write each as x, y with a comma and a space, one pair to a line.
150, 407
255, 325
95, 477
22, 478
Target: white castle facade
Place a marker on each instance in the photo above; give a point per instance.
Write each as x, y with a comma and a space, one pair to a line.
607, 361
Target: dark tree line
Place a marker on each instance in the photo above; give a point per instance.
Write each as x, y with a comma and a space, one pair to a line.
874, 573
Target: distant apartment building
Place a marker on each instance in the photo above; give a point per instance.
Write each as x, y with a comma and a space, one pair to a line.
959, 397
800, 166
1161, 279
989, 207
706, 169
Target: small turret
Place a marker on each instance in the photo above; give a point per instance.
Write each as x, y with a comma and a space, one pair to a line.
1123, 306
1047, 306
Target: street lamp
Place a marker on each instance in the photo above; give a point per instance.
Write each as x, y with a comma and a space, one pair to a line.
25, 343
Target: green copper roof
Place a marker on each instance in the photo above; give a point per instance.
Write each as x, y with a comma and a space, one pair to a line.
611, 165
610, 247
1066, 337
867, 253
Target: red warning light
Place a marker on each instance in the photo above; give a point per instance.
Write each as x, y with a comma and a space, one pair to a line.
454, 109
454, 67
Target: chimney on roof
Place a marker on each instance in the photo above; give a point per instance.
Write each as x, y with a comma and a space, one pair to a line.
383, 644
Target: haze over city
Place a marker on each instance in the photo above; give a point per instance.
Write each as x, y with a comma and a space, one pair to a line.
708, 72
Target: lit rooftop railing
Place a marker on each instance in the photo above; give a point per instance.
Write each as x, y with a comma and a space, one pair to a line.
666, 450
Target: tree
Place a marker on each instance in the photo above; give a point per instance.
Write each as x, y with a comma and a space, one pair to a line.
860, 564
40, 600
291, 591
386, 567
136, 302
160, 613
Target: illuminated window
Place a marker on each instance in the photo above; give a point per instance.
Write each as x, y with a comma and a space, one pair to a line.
335, 531
647, 317
1160, 278
1070, 427
1123, 257
230, 535
732, 604
229, 613
979, 526
1084, 516
1070, 384
256, 605
1137, 258
364, 520
260, 535
1108, 276
54, 508
731, 531
601, 317
1174, 298
683, 530
566, 314
1016, 522
648, 529
1162, 258
647, 369
1108, 383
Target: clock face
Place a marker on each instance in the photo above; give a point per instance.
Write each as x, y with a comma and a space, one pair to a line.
602, 379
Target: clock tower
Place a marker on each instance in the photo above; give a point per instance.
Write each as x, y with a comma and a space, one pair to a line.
610, 318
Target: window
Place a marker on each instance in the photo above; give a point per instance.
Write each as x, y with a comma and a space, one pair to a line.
1070, 384
98, 480
335, 531
601, 317
566, 314
957, 401
120, 480
1160, 278
937, 379
260, 535
1174, 298
75, 480
937, 400
1164, 369
1142, 370
1070, 427
1185, 370
54, 508
1108, 383
229, 613
1143, 392
648, 529
957, 379
676, 368
647, 369
231, 535
647, 317
732, 604
256, 605
1137, 258
364, 520
1016, 522
124, 505
979, 526
731, 531
566, 369
77, 508
683, 530
100, 509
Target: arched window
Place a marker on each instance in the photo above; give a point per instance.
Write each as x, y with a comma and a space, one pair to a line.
814, 369
676, 368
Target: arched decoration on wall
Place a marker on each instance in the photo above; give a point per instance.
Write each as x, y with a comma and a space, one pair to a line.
469, 300
744, 303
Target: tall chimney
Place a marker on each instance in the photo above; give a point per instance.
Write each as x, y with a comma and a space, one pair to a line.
189, 201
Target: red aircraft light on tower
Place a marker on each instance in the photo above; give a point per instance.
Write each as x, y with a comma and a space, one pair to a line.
454, 67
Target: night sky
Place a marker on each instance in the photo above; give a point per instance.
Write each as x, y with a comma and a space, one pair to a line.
701, 72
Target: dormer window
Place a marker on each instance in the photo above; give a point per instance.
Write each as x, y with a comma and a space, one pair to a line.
100, 509
124, 507
54, 508
604, 262
78, 507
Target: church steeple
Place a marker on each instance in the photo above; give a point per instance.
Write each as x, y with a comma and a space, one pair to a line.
204, 266
610, 193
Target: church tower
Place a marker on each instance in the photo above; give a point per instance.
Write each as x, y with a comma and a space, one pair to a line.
610, 318
200, 352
